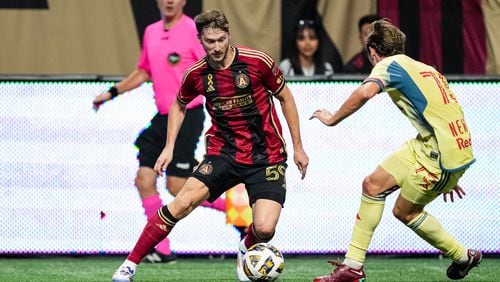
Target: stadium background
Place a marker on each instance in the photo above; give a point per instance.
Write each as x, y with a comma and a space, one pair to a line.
66, 174
103, 37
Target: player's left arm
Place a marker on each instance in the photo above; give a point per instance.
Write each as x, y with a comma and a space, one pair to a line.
292, 118
355, 101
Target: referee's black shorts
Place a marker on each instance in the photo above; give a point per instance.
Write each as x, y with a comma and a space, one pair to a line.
151, 142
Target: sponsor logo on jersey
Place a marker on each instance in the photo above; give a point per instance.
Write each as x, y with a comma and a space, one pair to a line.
228, 103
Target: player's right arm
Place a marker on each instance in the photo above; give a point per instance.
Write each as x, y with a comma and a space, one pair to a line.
132, 81
176, 116
357, 99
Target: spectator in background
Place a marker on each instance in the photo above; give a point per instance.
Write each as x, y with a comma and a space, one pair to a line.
360, 62
163, 60
306, 59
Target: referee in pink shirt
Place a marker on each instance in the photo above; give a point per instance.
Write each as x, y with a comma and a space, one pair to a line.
170, 46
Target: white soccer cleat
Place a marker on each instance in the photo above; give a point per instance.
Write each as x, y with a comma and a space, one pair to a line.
124, 274
240, 260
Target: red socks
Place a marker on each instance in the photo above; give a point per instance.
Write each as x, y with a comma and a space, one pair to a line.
151, 206
155, 230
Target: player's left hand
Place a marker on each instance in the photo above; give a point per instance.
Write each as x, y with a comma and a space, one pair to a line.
324, 115
458, 190
163, 160
302, 161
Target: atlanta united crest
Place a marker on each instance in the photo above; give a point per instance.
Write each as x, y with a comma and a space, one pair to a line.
242, 80
206, 169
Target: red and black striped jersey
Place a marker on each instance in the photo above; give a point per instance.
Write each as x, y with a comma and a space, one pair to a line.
245, 126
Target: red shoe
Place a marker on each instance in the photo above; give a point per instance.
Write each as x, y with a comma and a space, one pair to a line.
460, 270
343, 273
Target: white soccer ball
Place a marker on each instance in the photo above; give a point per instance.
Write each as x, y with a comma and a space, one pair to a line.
263, 262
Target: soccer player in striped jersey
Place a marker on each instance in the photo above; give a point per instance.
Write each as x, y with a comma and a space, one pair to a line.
170, 46
244, 145
423, 168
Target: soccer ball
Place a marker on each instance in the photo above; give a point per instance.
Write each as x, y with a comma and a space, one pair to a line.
263, 262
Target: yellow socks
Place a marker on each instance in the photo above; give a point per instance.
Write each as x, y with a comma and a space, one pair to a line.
368, 217
425, 225
429, 229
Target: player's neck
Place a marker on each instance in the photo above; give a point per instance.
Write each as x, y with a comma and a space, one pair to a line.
169, 22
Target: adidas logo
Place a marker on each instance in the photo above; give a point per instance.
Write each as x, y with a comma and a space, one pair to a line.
162, 227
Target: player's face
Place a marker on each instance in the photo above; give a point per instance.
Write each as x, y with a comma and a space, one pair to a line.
307, 42
170, 9
216, 44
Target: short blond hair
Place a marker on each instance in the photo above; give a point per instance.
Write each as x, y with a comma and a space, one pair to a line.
385, 38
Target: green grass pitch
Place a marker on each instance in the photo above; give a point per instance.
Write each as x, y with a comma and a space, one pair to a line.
298, 268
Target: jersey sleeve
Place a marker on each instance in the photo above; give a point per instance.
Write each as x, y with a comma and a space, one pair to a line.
143, 62
379, 75
187, 91
272, 76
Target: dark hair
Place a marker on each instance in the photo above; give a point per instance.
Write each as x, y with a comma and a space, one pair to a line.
385, 38
319, 63
367, 19
211, 19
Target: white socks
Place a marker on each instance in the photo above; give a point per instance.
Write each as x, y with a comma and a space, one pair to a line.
130, 264
352, 263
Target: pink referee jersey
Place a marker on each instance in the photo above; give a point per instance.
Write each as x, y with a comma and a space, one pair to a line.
165, 55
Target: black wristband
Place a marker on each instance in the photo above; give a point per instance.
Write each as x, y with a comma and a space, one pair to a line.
113, 91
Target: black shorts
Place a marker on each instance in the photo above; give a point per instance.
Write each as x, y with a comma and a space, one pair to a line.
261, 181
151, 142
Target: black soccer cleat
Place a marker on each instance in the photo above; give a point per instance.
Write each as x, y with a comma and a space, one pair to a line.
155, 257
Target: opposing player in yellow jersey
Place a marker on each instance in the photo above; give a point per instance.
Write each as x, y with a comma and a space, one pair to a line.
423, 168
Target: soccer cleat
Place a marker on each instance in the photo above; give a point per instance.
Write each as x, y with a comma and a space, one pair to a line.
240, 261
458, 270
124, 274
343, 273
156, 257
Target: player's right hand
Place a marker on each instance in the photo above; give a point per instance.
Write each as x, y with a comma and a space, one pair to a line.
100, 99
458, 190
324, 115
162, 162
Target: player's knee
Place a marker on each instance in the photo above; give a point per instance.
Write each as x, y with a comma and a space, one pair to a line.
145, 183
370, 188
140, 182
402, 215
174, 184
